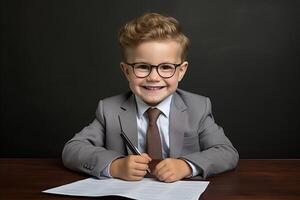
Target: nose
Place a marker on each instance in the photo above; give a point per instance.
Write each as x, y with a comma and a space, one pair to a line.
153, 76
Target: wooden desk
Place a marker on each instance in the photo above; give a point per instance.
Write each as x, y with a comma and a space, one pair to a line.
253, 179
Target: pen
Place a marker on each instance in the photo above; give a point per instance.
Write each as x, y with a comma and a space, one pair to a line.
132, 148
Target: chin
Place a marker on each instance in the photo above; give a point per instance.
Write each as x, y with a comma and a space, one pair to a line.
152, 102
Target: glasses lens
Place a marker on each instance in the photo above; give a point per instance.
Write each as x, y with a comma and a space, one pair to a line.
141, 69
166, 70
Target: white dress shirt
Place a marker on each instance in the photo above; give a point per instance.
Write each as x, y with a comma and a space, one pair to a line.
162, 124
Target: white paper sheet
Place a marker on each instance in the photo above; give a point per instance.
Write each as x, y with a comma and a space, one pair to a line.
146, 189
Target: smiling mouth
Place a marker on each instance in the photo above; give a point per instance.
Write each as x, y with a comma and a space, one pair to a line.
153, 87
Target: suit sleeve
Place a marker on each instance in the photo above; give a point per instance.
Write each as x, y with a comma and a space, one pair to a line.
217, 153
86, 151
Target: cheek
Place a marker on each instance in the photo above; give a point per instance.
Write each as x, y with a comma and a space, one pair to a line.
174, 80
172, 84
134, 82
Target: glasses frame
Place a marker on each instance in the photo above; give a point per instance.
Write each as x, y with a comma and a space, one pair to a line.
153, 66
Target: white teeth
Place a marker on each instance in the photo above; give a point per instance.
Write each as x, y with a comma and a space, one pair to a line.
153, 87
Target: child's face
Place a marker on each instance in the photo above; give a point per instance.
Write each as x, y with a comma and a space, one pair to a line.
153, 89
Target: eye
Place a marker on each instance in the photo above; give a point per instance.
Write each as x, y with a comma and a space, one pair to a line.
141, 67
166, 67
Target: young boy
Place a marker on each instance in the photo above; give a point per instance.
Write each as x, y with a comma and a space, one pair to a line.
163, 122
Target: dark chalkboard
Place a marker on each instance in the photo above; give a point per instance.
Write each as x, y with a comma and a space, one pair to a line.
58, 58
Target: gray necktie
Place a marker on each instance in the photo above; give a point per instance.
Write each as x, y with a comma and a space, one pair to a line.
154, 148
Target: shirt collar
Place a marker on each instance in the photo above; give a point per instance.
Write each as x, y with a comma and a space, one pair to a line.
163, 106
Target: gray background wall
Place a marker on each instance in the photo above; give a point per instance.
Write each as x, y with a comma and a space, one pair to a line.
58, 58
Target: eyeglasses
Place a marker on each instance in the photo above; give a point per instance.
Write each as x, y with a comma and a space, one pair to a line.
164, 70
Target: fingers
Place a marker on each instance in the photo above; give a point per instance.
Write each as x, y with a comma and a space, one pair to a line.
138, 166
159, 171
170, 170
163, 172
131, 168
168, 177
139, 173
161, 164
134, 168
146, 156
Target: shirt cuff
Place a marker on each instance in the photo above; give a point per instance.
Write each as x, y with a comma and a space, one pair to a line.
195, 170
105, 171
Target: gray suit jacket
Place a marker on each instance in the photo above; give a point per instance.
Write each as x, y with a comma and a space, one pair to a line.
194, 135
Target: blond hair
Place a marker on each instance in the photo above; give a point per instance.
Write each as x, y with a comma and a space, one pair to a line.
152, 26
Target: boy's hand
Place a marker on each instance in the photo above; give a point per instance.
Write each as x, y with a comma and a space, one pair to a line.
130, 168
170, 170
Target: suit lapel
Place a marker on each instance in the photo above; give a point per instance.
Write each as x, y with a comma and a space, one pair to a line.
128, 120
177, 124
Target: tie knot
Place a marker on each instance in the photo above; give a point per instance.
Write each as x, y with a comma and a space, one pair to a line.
153, 114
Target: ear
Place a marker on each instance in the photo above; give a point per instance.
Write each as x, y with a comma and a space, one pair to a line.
182, 69
125, 70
